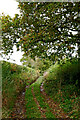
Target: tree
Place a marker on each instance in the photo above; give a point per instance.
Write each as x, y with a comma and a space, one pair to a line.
43, 29
27, 61
38, 63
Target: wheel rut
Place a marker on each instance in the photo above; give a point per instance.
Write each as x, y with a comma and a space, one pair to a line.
19, 109
40, 109
55, 109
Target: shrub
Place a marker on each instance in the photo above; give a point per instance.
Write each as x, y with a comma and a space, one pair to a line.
14, 79
70, 73
60, 75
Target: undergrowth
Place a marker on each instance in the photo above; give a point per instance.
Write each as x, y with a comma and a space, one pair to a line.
62, 84
14, 80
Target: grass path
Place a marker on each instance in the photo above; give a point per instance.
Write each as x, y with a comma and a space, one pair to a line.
32, 110
35, 103
39, 104
36, 106
19, 109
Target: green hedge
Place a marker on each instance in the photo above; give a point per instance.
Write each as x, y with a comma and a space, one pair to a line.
62, 74
63, 85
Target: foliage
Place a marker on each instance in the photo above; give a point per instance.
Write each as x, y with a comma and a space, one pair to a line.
70, 72
10, 83
14, 79
63, 74
68, 100
29, 76
52, 80
38, 63
42, 29
62, 84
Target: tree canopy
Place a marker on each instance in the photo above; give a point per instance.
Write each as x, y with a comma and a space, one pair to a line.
38, 63
43, 29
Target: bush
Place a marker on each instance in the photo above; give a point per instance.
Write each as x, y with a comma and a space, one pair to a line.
63, 85
14, 79
70, 72
52, 81
11, 84
60, 75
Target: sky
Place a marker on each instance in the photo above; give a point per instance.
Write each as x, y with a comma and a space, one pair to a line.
10, 7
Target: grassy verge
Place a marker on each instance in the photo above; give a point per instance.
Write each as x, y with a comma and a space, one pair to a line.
14, 80
11, 86
69, 103
62, 84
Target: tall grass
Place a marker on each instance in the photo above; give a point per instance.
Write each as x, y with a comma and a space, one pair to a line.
62, 84
14, 79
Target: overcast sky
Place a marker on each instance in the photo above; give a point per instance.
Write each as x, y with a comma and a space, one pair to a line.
10, 7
